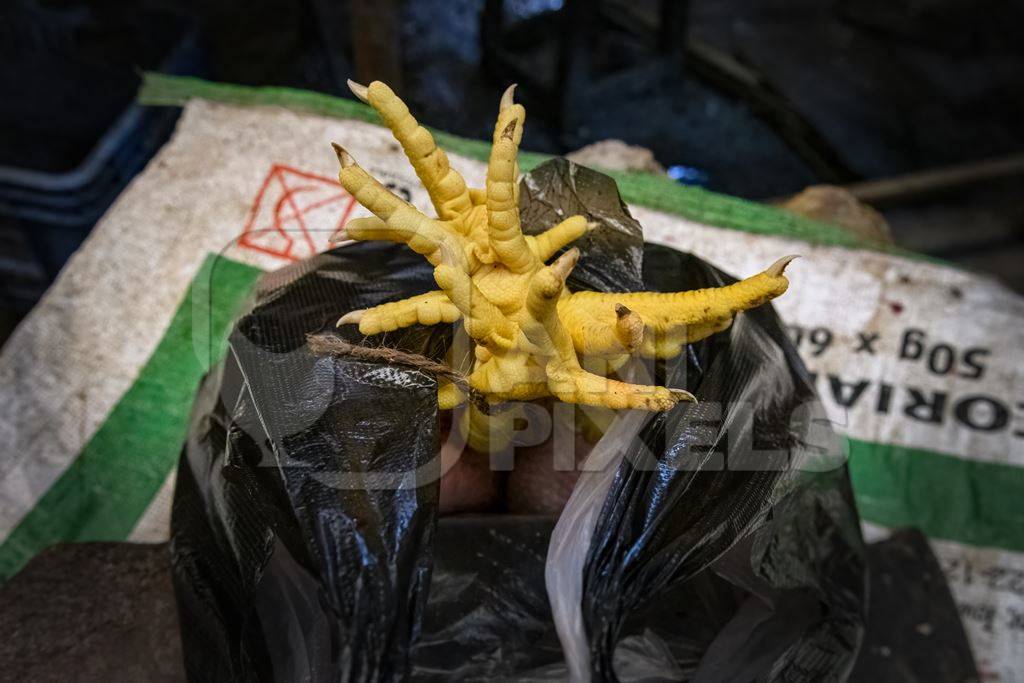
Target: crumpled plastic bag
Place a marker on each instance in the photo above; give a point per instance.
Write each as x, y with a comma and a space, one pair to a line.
719, 542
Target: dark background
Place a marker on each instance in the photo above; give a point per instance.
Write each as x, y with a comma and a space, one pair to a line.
759, 99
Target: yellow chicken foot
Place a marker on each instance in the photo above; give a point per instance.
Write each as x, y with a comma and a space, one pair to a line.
529, 332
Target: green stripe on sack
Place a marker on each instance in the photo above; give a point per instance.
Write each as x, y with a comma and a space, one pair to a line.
644, 189
105, 491
969, 501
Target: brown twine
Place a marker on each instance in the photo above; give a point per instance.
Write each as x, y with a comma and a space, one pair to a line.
327, 345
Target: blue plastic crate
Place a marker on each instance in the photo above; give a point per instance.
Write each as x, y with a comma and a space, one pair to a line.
55, 209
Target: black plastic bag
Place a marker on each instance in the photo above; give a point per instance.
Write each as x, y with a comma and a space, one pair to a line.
305, 516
